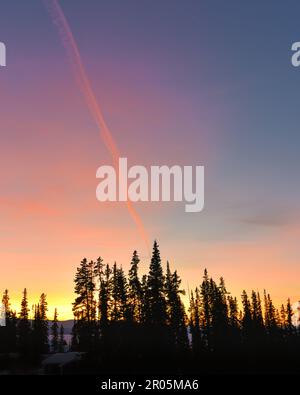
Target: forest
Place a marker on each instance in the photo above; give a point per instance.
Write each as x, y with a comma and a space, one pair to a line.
124, 322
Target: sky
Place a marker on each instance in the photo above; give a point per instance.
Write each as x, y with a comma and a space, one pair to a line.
179, 82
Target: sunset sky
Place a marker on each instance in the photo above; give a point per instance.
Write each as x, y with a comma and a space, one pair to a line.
178, 82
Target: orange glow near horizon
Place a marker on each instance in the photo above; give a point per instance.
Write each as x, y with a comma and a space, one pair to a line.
221, 260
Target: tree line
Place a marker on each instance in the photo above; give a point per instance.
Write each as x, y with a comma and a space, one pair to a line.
30, 337
127, 321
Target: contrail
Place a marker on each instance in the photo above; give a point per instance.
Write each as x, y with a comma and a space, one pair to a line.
84, 84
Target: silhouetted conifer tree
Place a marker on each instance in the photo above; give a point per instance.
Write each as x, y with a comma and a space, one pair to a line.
134, 290
98, 273
233, 321
155, 289
40, 328
175, 310
206, 303
85, 306
24, 329
105, 297
270, 315
44, 323
257, 316
145, 305
247, 324
219, 316
54, 332
194, 322
289, 318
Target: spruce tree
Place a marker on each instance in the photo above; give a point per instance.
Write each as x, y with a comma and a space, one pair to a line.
289, 318
257, 317
194, 322
54, 332
155, 289
219, 316
283, 317
234, 321
105, 297
233, 312
119, 295
145, 305
134, 290
175, 310
43, 305
85, 306
122, 295
247, 324
40, 328
115, 312
98, 273
24, 329
206, 303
